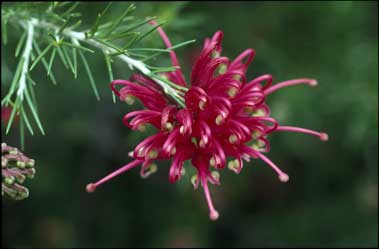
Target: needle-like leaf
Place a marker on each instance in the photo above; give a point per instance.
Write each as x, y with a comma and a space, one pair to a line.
51, 60
40, 56
110, 73
20, 43
62, 57
89, 73
34, 112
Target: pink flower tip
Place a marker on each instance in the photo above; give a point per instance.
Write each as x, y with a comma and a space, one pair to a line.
284, 177
313, 83
90, 188
214, 215
324, 137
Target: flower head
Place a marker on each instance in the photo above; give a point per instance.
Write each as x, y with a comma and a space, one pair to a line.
15, 168
225, 116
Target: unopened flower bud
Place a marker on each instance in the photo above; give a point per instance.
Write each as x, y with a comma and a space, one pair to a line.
21, 164
15, 167
9, 180
30, 163
20, 178
4, 162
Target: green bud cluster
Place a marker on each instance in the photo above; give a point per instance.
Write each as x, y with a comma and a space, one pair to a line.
15, 168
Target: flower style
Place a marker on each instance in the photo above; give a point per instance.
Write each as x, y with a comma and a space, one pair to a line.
15, 168
225, 116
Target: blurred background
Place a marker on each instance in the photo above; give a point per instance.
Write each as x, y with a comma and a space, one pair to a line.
331, 199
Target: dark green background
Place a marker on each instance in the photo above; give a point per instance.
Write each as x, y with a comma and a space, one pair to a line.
331, 199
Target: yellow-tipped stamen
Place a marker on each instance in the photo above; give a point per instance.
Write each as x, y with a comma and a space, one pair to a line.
129, 99
215, 175
182, 171
222, 68
232, 92
173, 151
237, 77
168, 126
152, 154
212, 161
202, 105
219, 119
256, 134
258, 113
233, 139
141, 127
194, 180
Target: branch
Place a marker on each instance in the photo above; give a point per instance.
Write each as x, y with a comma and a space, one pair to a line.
26, 56
76, 36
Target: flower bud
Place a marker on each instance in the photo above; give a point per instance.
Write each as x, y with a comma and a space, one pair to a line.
15, 167
21, 164
9, 180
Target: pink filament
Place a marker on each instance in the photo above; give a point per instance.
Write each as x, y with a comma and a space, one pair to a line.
174, 59
311, 82
282, 176
92, 186
213, 214
321, 135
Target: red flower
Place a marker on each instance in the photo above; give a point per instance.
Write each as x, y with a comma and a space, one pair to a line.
224, 116
6, 114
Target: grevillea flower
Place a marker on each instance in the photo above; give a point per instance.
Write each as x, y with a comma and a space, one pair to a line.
225, 117
15, 168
